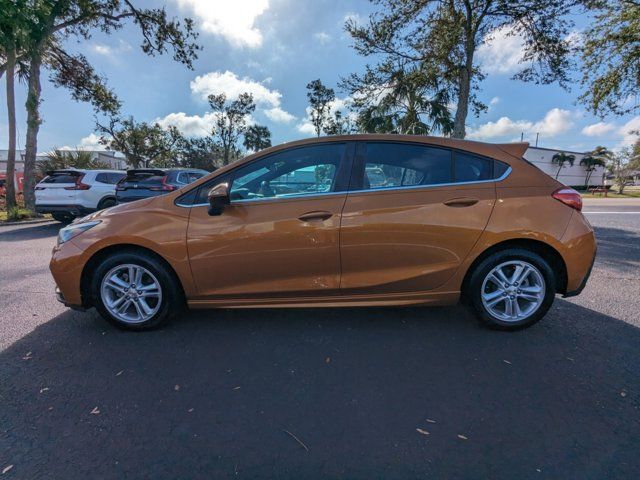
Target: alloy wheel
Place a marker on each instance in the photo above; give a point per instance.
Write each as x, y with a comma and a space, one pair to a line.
131, 293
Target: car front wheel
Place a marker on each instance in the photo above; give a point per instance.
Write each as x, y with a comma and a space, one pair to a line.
512, 289
135, 291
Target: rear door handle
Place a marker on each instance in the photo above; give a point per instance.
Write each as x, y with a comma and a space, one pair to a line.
461, 202
311, 216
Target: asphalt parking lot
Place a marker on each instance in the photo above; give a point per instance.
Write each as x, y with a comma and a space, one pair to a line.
327, 393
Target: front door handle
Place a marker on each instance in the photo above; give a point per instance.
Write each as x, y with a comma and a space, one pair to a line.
461, 202
311, 216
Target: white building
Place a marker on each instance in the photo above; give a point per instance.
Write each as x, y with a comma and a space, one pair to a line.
114, 159
574, 176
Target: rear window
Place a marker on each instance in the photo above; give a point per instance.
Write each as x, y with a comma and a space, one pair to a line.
109, 178
144, 178
62, 178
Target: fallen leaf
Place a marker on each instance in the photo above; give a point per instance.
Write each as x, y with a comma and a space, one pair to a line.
430, 421
44, 389
423, 432
176, 388
119, 373
236, 388
27, 356
507, 362
95, 411
623, 393
462, 437
327, 360
6, 469
190, 410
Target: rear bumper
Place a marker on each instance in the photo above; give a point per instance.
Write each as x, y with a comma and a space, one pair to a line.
583, 284
579, 254
75, 210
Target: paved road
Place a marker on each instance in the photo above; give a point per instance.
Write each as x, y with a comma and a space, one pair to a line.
322, 393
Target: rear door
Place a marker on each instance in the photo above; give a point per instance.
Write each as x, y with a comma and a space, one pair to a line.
58, 188
412, 215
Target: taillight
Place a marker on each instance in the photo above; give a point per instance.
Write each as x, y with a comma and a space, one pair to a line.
569, 197
79, 185
164, 187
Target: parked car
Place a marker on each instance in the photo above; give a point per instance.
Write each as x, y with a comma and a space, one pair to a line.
150, 182
452, 220
67, 194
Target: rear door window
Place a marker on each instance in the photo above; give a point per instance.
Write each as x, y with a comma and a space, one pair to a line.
392, 165
472, 168
144, 178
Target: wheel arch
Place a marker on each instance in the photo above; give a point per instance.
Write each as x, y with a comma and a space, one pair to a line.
93, 262
543, 249
105, 198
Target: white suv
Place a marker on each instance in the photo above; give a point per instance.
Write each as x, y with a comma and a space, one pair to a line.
67, 194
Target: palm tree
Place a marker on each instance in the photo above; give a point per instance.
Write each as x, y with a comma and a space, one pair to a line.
594, 159
561, 158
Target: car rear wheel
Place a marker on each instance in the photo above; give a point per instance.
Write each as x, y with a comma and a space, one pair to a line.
63, 217
107, 203
512, 289
135, 291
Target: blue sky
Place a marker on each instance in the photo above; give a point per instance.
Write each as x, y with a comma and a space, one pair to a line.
273, 48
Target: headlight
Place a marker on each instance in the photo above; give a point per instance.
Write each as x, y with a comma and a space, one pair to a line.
75, 229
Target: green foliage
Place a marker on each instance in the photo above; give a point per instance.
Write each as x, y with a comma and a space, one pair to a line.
621, 165
256, 138
594, 159
231, 121
202, 153
61, 159
560, 159
320, 98
611, 58
439, 40
142, 144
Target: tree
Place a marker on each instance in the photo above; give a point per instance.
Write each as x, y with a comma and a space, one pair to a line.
611, 57
560, 159
594, 159
197, 152
339, 124
395, 100
256, 138
320, 99
442, 37
231, 121
54, 21
60, 159
14, 24
621, 165
142, 144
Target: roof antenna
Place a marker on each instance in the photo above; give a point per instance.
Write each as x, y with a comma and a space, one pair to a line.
537, 135
522, 137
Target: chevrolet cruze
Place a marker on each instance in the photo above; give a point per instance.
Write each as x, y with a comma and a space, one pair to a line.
366, 220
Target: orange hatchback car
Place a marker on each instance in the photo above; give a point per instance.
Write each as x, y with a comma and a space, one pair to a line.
363, 220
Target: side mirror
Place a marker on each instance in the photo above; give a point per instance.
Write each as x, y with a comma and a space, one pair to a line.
218, 198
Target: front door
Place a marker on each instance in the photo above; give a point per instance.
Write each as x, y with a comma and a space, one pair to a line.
279, 237
414, 214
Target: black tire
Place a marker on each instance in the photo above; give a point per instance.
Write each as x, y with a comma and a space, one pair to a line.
63, 218
482, 270
172, 297
106, 203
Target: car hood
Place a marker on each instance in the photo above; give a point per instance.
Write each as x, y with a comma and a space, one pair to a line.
118, 209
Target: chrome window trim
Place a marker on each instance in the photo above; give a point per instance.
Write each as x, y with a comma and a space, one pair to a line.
370, 190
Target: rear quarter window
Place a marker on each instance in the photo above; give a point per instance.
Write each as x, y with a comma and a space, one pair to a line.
472, 168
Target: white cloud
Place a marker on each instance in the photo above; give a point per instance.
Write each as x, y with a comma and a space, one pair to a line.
110, 50
494, 101
501, 51
232, 19
269, 100
353, 17
627, 131
322, 37
189, 125
278, 115
598, 129
90, 142
555, 122
231, 85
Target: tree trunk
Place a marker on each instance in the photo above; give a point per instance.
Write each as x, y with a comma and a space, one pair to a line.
33, 126
558, 174
464, 87
11, 114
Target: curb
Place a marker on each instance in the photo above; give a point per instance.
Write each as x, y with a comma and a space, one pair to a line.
26, 222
